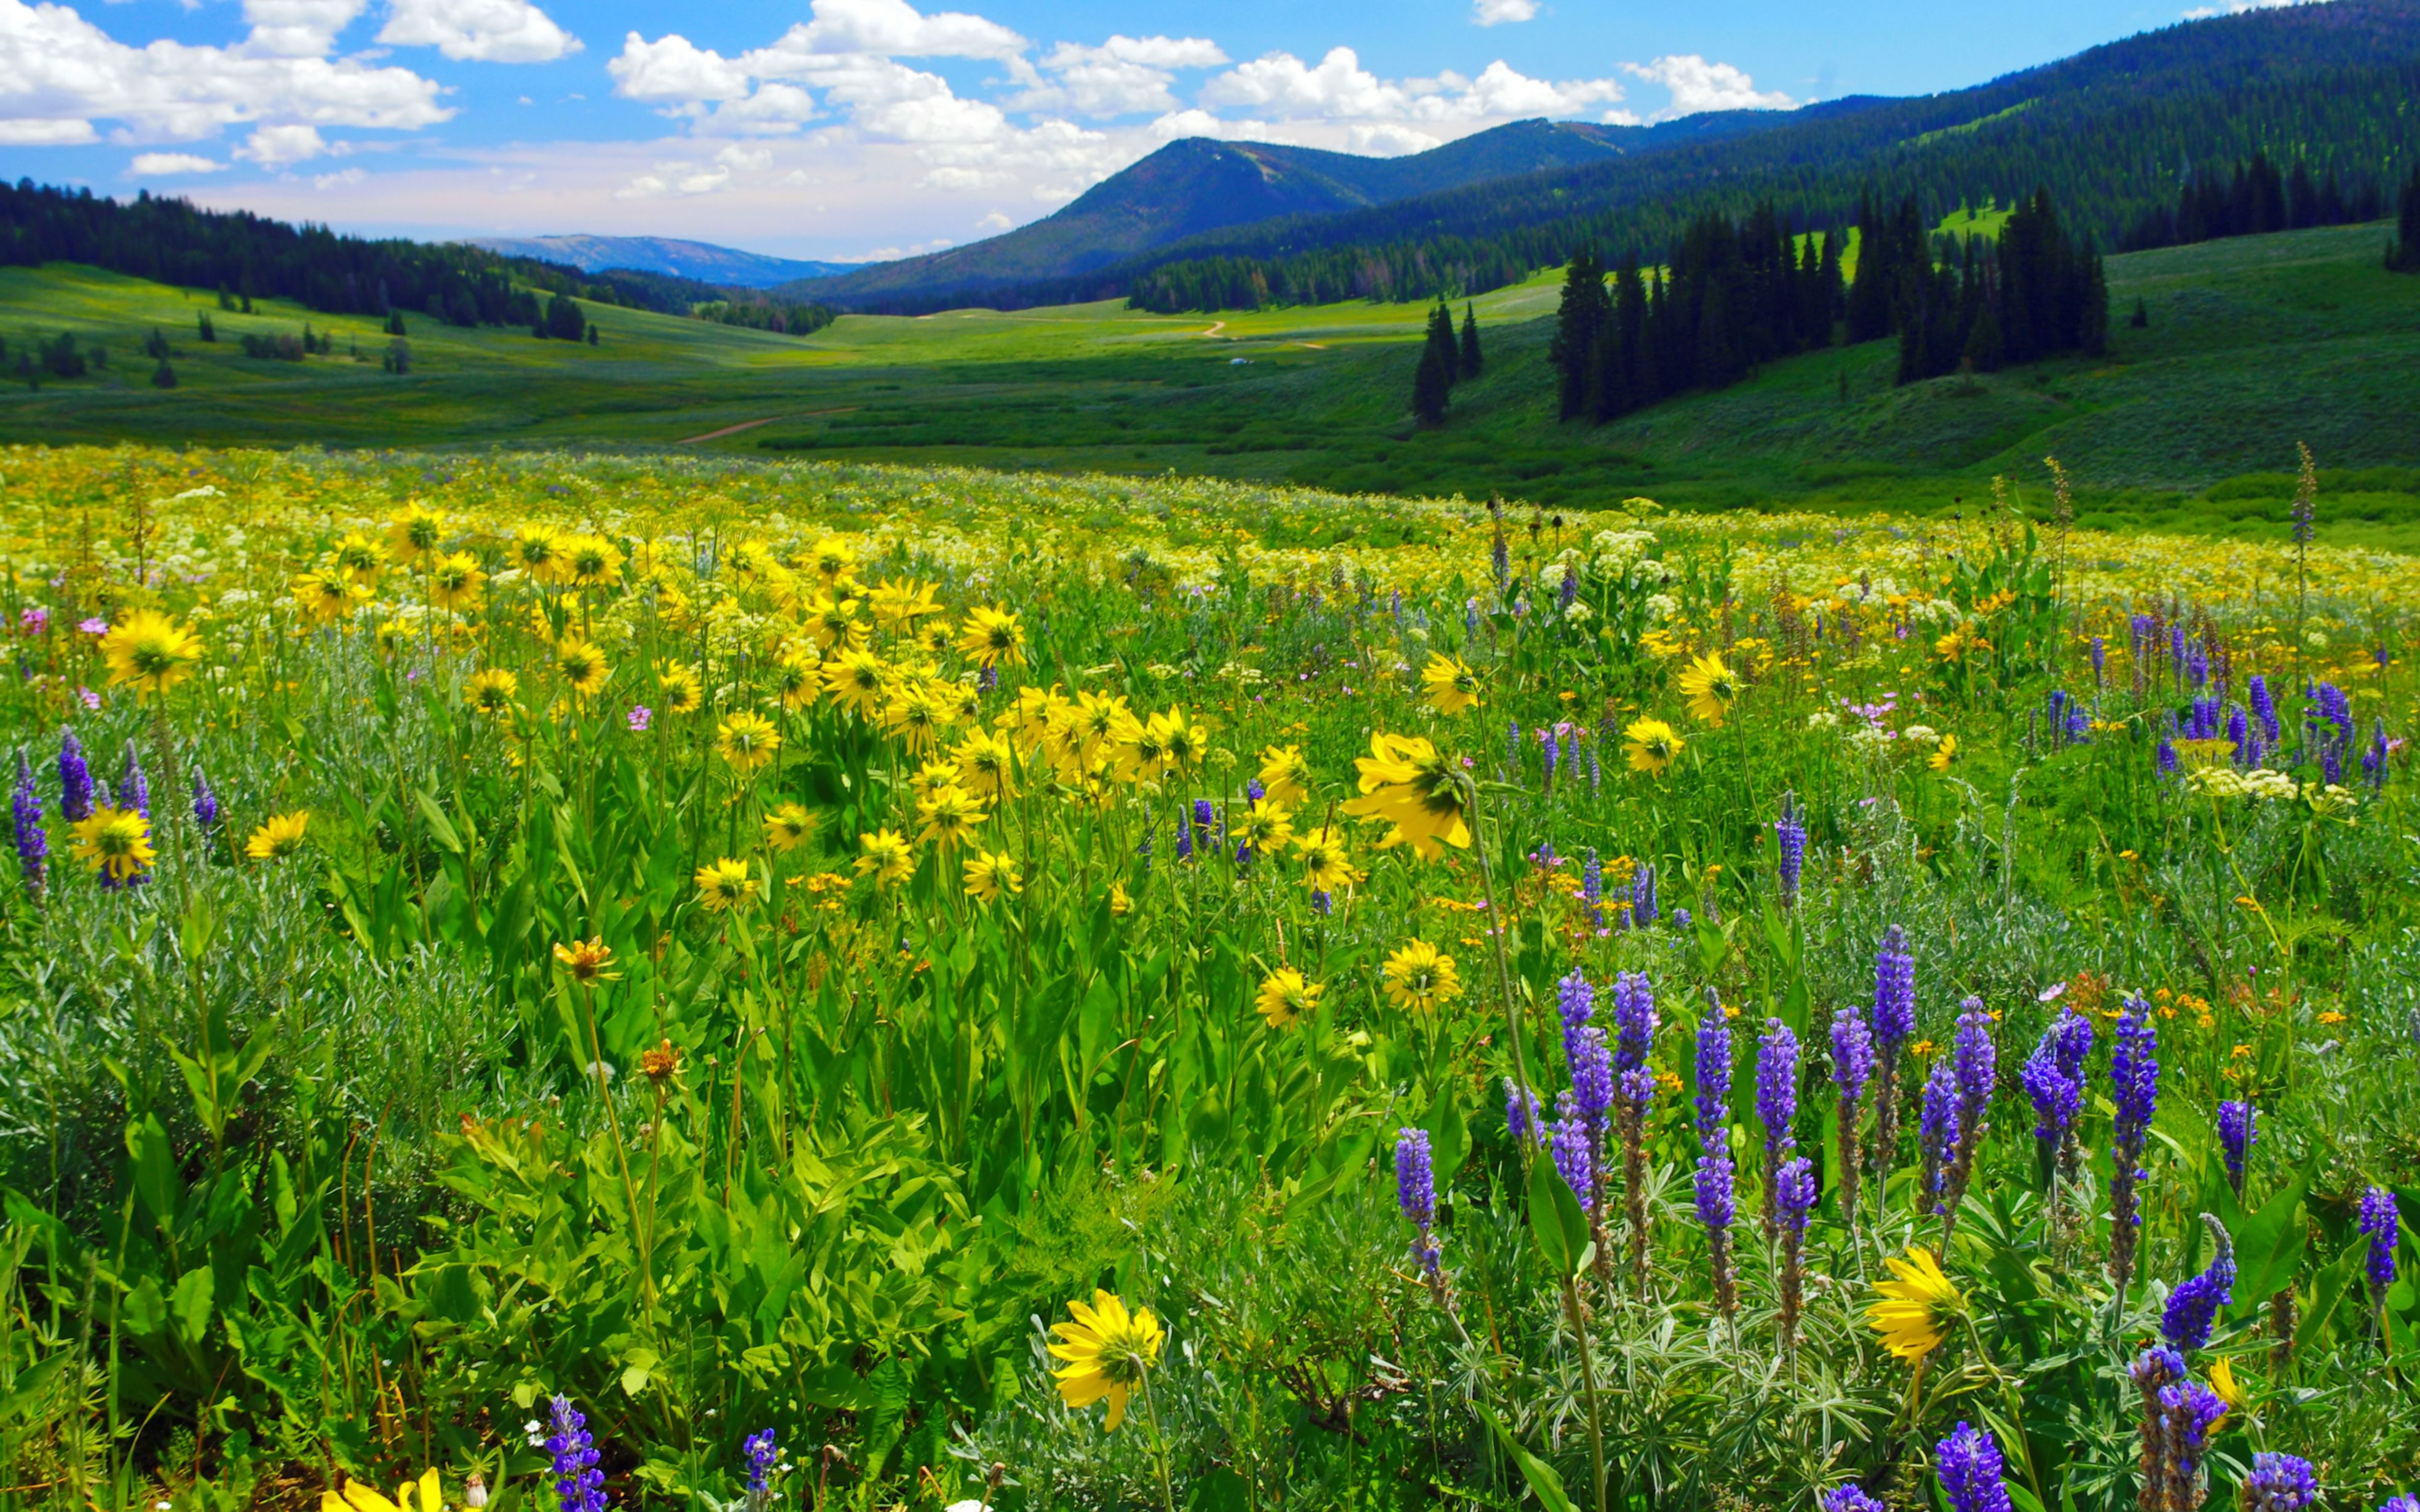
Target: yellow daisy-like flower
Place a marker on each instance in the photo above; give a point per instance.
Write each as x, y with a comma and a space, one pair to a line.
586, 960
832, 559
455, 582
361, 558
424, 1495
788, 826
747, 741
797, 678
1917, 1308
1942, 754
1651, 745
326, 597
1419, 976
1410, 785
584, 667
1182, 742
1285, 775
1108, 1349
725, 884
988, 765
948, 814
991, 874
1098, 724
917, 715
898, 605
682, 693
2223, 1385
280, 838
115, 841
1711, 689
591, 561
1285, 997
992, 638
835, 625
1327, 864
1266, 828
413, 532
1120, 900
885, 855
491, 690
934, 776
150, 652
855, 679
1452, 687
538, 551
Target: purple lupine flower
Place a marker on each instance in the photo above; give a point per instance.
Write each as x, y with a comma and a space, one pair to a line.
1716, 1210
75, 780
1205, 820
1794, 1198
206, 803
1323, 903
1894, 992
1716, 1204
133, 787
1546, 742
1851, 1499
1797, 1194
1183, 833
2135, 1083
2264, 708
1975, 1064
2193, 1307
33, 841
1596, 774
2165, 758
2373, 760
1971, 1472
2057, 1093
1790, 833
1415, 1192
1574, 1000
1713, 1097
1574, 1152
2187, 1411
1937, 1134
579, 1485
1255, 791
1634, 1019
2400, 1504
2377, 1223
1642, 897
2238, 1127
1512, 745
2100, 659
1680, 920
1776, 1105
1852, 1065
762, 1457
1499, 557
1522, 1119
2278, 1483
1593, 890
1592, 1069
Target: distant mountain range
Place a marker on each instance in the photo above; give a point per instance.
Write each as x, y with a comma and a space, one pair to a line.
2112, 132
1199, 185
697, 260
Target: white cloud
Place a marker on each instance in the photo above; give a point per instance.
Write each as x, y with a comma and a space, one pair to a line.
673, 68
1699, 85
2237, 7
482, 31
274, 146
1496, 12
297, 28
342, 178
1124, 76
1389, 140
996, 221
1339, 89
174, 162
883, 28
59, 75
1281, 85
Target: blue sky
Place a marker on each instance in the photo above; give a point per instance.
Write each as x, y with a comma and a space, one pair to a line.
848, 129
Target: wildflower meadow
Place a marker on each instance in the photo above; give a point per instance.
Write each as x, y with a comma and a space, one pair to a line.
578, 982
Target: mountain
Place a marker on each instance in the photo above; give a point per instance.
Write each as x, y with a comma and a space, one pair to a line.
1199, 185
2111, 131
663, 254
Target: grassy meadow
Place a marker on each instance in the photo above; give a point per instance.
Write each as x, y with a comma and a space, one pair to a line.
2188, 424
563, 980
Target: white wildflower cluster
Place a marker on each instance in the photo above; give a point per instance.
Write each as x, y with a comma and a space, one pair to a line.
1618, 551
1935, 611
2260, 784
1920, 735
1661, 606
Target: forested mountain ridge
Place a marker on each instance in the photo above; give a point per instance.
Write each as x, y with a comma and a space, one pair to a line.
697, 260
2112, 132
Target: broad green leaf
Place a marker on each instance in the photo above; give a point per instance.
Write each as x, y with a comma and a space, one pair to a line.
1545, 1482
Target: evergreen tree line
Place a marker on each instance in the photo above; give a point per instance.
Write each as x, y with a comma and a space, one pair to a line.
2403, 252
1445, 361
2255, 199
781, 316
1732, 295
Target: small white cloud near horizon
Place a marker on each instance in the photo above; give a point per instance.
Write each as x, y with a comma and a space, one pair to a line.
2237, 7
479, 31
1496, 12
1698, 86
275, 147
161, 164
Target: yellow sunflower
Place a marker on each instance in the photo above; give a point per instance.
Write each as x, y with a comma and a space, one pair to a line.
885, 855
1419, 976
491, 690
1285, 775
797, 678
586, 960
327, 597
538, 551
455, 582
788, 826
1285, 997
1181, 741
747, 741
591, 561
1452, 687
2223, 1385
584, 667
280, 838
1327, 864
832, 559
1108, 1351
1263, 829
115, 841
1651, 745
1410, 785
150, 652
1918, 1309
917, 715
725, 884
987, 764
413, 533
681, 690
991, 874
855, 679
948, 814
898, 605
1942, 754
992, 638
361, 558
1711, 689
424, 1495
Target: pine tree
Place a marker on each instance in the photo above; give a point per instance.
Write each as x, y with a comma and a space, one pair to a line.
1431, 386
1440, 341
395, 323
1471, 361
2142, 317
209, 332
2403, 254
1578, 321
163, 377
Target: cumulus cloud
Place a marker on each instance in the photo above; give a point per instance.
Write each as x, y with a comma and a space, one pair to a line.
1699, 85
1496, 12
673, 68
274, 146
2237, 7
1124, 76
482, 31
60, 74
1389, 140
162, 164
887, 28
1339, 89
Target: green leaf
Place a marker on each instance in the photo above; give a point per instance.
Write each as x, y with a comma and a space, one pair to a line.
440, 828
2270, 1246
1448, 1130
155, 1168
1554, 1217
190, 1303
1545, 1483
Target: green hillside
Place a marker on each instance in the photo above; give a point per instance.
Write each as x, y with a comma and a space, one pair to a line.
2253, 344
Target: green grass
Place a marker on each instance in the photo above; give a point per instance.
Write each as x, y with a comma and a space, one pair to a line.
2253, 343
